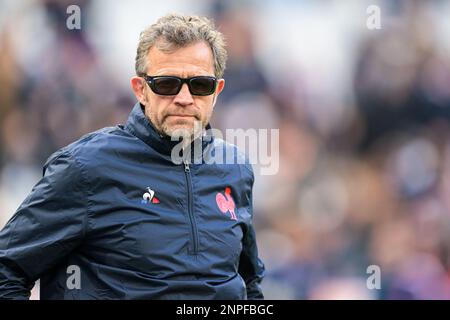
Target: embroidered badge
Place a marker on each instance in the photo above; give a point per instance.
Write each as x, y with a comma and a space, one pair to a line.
149, 196
226, 203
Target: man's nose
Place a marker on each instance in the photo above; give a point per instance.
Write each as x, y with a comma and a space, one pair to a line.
184, 97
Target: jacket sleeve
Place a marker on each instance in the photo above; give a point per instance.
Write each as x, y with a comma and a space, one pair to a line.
251, 268
45, 228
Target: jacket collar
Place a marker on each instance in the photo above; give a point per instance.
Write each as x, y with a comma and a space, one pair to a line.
141, 127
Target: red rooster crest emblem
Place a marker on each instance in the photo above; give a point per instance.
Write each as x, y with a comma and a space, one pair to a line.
226, 203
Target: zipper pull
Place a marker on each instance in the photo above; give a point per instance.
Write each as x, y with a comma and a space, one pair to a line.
186, 167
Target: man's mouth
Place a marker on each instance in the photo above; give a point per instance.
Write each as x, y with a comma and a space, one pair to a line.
182, 116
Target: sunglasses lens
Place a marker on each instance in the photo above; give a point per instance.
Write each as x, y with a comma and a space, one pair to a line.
166, 85
202, 86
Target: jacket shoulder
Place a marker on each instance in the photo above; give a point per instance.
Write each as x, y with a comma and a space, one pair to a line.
231, 152
90, 145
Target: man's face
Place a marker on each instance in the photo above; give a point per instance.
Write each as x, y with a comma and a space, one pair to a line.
170, 113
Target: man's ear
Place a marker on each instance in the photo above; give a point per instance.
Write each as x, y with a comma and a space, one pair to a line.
220, 86
138, 85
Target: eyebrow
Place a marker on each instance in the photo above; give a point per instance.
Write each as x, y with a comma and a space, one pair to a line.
178, 74
168, 72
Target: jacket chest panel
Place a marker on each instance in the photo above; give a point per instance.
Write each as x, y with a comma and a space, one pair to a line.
157, 236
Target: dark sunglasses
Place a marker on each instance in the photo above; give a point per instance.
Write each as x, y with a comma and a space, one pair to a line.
171, 85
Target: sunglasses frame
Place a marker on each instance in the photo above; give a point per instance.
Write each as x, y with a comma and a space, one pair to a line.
151, 84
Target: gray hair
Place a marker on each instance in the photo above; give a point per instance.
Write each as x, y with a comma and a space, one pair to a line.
175, 31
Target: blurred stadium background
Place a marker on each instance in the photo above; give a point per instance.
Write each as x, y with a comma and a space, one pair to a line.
363, 115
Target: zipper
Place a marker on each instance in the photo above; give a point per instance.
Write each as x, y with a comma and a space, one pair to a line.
194, 231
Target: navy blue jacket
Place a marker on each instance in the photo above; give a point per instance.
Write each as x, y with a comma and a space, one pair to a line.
136, 225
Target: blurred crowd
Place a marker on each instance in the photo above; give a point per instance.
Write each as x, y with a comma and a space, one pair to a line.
363, 117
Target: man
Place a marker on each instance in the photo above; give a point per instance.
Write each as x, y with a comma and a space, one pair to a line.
119, 211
